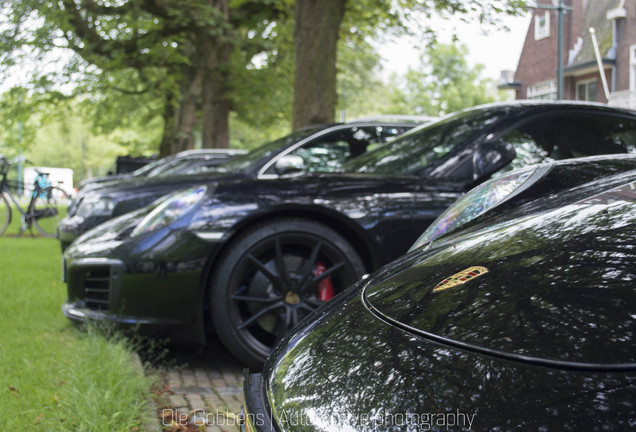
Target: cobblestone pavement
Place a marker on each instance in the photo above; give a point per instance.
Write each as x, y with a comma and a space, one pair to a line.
202, 388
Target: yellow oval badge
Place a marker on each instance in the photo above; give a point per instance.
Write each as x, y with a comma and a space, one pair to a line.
460, 278
292, 298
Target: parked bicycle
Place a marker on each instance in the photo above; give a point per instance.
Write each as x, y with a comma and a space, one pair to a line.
46, 206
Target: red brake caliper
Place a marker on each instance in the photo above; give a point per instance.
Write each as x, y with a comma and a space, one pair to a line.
325, 287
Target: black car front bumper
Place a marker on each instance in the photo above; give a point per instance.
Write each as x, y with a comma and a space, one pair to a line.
151, 304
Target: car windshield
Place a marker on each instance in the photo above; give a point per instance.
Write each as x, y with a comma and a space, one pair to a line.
176, 167
423, 146
164, 166
265, 151
149, 167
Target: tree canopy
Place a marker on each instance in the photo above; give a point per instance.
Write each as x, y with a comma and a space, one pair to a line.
173, 57
194, 66
443, 83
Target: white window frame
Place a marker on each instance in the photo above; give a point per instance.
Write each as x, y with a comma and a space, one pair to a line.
542, 89
586, 83
542, 31
632, 67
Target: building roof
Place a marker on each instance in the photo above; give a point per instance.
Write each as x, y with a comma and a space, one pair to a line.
594, 16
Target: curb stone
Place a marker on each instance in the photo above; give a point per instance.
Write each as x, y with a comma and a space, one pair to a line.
149, 424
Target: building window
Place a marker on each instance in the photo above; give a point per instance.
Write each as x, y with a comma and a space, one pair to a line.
586, 90
543, 90
542, 26
632, 67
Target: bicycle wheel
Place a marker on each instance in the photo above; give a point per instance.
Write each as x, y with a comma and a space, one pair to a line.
5, 214
47, 209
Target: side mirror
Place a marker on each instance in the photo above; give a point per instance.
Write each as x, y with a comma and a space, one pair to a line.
490, 157
289, 164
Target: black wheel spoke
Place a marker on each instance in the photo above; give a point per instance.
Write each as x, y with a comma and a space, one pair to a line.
258, 315
268, 274
280, 262
294, 319
286, 324
255, 299
288, 319
311, 263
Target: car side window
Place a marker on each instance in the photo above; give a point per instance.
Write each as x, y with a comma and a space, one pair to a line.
329, 152
381, 134
327, 156
571, 135
529, 152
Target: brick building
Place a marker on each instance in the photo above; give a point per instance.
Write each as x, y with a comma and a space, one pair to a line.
614, 24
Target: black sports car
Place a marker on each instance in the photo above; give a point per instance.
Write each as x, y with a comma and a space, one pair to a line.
314, 148
521, 317
249, 258
180, 163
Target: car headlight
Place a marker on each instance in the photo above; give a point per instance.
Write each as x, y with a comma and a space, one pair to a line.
170, 209
95, 206
481, 199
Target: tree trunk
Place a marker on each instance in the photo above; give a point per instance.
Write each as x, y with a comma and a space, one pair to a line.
180, 116
187, 119
215, 110
206, 90
315, 45
169, 113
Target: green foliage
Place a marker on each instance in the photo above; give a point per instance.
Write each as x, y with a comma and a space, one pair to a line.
70, 143
358, 84
127, 65
380, 18
443, 83
16, 125
246, 136
261, 81
58, 135
91, 64
131, 62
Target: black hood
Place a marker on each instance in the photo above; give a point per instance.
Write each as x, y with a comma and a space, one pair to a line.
127, 185
535, 290
542, 341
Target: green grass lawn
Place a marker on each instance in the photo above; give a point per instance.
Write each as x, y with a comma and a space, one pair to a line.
52, 376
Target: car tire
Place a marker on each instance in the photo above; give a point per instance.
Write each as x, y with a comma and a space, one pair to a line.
273, 275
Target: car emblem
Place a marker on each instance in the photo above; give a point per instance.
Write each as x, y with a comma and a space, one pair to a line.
460, 278
292, 298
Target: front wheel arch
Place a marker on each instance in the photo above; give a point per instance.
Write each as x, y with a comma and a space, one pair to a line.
365, 247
